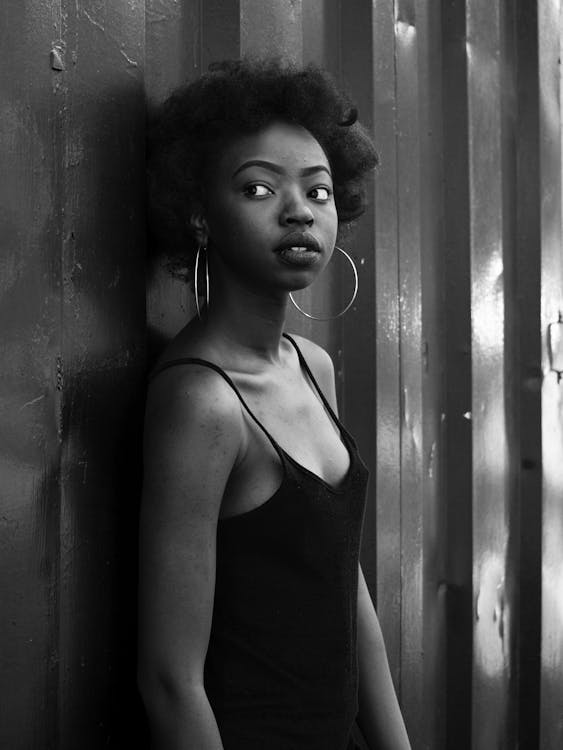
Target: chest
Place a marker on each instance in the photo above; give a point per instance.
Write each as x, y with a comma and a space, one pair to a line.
293, 413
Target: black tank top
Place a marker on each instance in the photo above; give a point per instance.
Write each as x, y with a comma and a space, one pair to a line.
281, 668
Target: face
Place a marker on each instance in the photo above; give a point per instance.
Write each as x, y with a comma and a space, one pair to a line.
269, 209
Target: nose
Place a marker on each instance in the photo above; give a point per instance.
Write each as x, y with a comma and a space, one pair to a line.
296, 212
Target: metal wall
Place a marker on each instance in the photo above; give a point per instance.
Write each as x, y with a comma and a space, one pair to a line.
72, 314
443, 365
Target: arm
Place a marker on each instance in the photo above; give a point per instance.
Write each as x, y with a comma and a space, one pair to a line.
380, 716
192, 439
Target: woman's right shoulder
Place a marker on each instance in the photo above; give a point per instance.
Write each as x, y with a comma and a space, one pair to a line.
188, 398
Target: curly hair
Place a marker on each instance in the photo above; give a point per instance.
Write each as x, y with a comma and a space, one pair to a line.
236, 98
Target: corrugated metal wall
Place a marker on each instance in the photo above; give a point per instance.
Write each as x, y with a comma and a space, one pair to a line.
444, 368
72, 317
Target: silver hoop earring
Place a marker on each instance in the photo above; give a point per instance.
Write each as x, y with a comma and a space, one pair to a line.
348, 306
196, 276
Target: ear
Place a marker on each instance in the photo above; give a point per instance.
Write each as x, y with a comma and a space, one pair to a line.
199, 228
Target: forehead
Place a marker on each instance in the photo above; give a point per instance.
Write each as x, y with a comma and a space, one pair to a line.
287, 144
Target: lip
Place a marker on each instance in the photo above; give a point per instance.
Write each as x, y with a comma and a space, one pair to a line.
299, 239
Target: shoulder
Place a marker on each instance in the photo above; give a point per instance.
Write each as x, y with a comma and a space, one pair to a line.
318, 359
320, 364
192, 403
192, 387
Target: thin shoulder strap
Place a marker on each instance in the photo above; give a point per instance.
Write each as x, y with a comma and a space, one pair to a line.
323, 398
223, 374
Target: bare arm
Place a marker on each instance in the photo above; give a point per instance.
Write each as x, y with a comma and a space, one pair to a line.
379, 717
192, 439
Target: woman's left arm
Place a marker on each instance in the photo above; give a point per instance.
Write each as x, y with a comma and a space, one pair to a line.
379, 716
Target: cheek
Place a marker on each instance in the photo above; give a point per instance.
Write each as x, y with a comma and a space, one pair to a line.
230, 223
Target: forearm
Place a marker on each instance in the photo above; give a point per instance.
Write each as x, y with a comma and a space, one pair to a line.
379, 717
182, 721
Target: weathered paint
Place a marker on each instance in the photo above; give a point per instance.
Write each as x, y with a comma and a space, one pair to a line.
526, 537
432, 365
550, 110
458, 445
410, 353
387, 480
358, 342
402, 534
272, 27
492, 605
31, 340
73, 354
71, 290
101, 191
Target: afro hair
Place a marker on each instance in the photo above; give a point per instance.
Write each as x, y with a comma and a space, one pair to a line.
237, 98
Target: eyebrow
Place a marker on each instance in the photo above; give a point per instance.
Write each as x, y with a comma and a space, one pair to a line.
280, 170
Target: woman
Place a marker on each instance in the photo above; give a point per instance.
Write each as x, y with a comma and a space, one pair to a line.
256, 627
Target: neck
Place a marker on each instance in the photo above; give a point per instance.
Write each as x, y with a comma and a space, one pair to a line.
245, 320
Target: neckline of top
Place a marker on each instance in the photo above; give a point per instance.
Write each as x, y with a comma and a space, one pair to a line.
346, 438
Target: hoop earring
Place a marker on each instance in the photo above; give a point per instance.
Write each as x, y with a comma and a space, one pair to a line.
196, 274
348, 306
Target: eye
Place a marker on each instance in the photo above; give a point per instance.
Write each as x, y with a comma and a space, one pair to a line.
257, 191
320, 193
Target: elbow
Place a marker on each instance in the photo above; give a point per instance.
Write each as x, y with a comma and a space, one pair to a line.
177, 710
158, 688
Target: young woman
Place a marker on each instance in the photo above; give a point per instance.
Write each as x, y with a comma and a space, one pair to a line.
257, 631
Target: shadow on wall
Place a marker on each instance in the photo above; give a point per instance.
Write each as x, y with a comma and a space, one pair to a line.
95, 488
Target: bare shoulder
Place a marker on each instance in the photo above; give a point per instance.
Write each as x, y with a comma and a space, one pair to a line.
193, 430
192, 390
318, 359
321, 365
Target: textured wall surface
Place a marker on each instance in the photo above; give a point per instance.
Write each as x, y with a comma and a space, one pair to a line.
73, 340
443, 366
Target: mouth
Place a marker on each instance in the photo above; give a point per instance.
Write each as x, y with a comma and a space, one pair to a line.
299, 249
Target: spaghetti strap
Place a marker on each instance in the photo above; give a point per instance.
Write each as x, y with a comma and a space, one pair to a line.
227, 379
323, 398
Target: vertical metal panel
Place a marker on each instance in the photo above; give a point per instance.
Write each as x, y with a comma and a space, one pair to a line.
271, 27
526, 562
357, 333
549, 23
321, 33
492, 606
458, 449
220, 31
396, 553
174, 54
432, 279
509, 600
102, 362
29, 398
73, 358
386, 528
410, 352
173, 40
